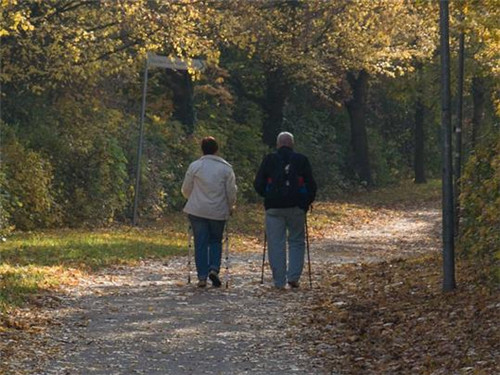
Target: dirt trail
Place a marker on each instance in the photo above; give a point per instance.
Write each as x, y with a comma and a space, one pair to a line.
146, 320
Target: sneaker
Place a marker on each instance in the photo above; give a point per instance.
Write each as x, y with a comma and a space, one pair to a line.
202, 283
293, 284
214, 277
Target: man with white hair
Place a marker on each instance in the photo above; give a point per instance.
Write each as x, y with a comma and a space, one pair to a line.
286, 182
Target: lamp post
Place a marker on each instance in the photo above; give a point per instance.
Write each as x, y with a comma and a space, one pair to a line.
458, 128
448, 202
156, 61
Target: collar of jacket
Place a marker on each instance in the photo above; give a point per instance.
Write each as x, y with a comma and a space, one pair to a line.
215, 158
285, 150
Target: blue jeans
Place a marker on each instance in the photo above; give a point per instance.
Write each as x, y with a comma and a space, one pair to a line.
279, 221
207, 244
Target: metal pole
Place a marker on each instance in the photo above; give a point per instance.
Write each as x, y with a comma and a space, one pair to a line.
448, 209
308, 253
263, 257
139, 147
190, 248
458, 128
227, 255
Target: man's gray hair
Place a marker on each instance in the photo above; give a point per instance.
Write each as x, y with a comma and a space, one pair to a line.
284, 139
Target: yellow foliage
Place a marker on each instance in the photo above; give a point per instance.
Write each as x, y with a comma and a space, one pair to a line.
93, 40
480, 202
319, 40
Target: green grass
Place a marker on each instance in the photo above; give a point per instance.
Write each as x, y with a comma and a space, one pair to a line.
89, 250
33, 262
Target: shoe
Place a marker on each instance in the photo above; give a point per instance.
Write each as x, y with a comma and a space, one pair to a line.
202, 283
293, 284
214, 277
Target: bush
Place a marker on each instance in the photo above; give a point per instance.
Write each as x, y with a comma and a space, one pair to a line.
5, 227
26, 188
96, 192
168, 151
480, 202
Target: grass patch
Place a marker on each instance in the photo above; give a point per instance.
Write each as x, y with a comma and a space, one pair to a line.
39, 261
17, 283
405, 192
89, 250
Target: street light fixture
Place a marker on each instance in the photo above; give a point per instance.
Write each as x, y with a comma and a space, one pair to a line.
156, 61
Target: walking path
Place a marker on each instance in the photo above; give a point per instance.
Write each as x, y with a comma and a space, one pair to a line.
146, 320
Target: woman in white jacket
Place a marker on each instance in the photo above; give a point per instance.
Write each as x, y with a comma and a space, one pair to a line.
210, 188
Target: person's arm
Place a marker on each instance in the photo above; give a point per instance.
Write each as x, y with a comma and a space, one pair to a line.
187, 184
309, 181
261, 179
231, 189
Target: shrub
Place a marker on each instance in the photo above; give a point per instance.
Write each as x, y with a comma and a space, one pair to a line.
480, 202
26, 188
97, 190
5, 227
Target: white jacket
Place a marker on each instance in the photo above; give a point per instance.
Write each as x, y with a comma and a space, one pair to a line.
210, 188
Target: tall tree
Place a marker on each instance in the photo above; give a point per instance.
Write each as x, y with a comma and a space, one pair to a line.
419, 157
276, 95
356, 107
326, 43
480, 24
52, 43
70, 70
365, 40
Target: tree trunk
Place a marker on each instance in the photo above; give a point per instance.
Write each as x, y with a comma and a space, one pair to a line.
276, 94
419, 161
419, 142
183, 89
478, 99
359, 141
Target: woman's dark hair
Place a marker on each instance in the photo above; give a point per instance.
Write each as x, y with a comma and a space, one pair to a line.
209, 146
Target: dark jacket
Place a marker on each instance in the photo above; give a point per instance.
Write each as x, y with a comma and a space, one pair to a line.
267, 169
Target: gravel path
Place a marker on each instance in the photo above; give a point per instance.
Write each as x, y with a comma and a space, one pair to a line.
147, 320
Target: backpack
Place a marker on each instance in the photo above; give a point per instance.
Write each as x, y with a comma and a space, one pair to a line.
285, 185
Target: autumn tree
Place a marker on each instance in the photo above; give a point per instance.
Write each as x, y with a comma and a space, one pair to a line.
480, 23
70, 88
382, 38
328, 44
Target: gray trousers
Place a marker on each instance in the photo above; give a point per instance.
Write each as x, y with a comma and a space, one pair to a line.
285, 225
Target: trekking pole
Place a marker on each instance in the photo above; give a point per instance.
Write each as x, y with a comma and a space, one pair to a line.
263, 257
190, 244
227, 255
308, 253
